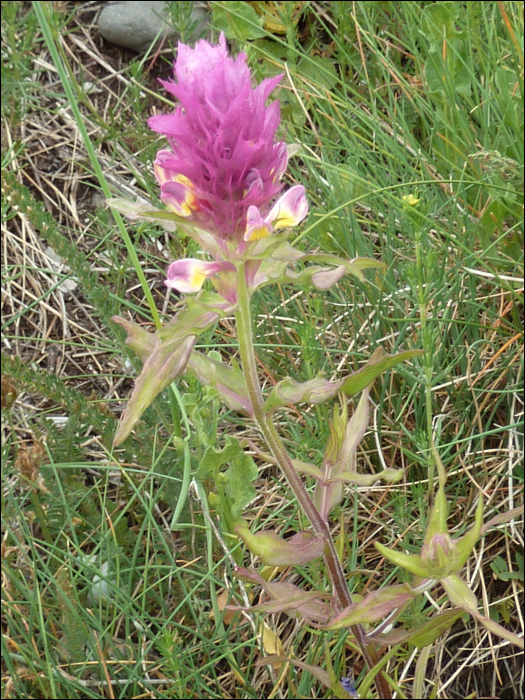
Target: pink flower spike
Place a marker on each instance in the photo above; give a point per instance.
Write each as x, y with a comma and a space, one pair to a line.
256, 226
290, 209
223, 140
188, 275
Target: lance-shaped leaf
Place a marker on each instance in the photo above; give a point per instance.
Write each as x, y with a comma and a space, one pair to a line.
317, 672
319, 276
391, 475
422, 636
297, 603
324, 277
165, 364
374, 607
140, 341
497, 629
229, 381
502, 518
353, 267
465, 544
144, 211
288, 391
287, 598
198, 314
459, 593
274, 268
307, 468
169, 353
275, 551
340, 454
388, 474
413, 563
294, 602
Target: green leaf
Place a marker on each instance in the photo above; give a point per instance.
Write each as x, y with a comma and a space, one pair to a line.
237, 20
438, 23
307, 468
373, 608
228, 381
459, 593
276, 551
495, 628
316, 672
500, 568
166, 363
169, 352
288, 391
374, 367
424, 635
340, 454
214, 459
388, 474
239, 487
410, 562
234, 486
320, 71
434, 628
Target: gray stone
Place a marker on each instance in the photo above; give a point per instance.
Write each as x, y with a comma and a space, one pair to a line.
136, 24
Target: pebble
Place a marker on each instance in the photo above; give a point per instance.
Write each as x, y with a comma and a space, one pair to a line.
135, 25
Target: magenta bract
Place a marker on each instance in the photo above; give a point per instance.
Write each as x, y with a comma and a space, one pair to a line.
224, 156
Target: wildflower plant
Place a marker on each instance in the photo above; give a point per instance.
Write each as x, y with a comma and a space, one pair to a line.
221, 183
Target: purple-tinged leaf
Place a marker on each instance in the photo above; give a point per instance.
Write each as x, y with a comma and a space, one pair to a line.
502, 518
317, 672
374, 607
229, 381
497, 629
293, 601
164, 354
288, 391
422, 636
328, 277
311, 609
353, 267
275, 551
166, 363
140, 341
340, 455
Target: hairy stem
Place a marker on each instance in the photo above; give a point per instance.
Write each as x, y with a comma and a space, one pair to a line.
274, 442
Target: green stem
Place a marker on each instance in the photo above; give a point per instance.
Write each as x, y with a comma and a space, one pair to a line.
267, 427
